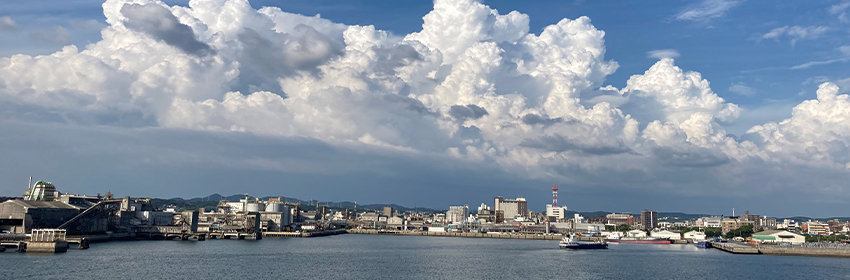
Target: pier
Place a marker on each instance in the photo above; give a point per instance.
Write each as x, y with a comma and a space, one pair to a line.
736, 248
743, 248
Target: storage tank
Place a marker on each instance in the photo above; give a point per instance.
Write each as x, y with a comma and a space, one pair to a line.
286, 216
274, 207
253, 207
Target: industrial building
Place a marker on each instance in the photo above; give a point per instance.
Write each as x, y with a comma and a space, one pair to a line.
21, 216
778, 236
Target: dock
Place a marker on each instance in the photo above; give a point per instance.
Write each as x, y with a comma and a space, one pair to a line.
735, 248
304, 234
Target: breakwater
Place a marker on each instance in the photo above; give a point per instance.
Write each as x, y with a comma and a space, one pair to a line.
743, 248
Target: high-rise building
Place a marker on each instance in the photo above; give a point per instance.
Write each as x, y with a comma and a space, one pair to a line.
511, 208
457, 214
649, 219
388, 211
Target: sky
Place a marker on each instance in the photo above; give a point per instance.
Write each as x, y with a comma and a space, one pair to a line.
688, 106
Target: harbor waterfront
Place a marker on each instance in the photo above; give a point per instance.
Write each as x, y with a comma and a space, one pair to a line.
361, 256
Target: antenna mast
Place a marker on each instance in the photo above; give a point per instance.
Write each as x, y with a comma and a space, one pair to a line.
555, 196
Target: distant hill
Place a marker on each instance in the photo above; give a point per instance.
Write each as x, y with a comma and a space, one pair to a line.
211, 201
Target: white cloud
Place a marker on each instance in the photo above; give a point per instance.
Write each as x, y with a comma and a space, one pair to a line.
665, 53
7, 24
796, 33
707, 9
845, 56
473, 85
742, 89
840, 10
56, 35
87, 24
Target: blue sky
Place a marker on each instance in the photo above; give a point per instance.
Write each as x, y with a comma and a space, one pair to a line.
765, 57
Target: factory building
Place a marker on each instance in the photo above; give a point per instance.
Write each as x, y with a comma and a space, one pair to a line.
21, 216
388, 211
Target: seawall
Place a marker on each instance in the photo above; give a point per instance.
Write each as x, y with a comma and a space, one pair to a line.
461, 234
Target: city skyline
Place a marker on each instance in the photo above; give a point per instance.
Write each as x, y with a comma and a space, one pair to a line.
676, 107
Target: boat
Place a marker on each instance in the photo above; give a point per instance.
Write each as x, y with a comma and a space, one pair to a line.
571, 242
645, 240
703, 244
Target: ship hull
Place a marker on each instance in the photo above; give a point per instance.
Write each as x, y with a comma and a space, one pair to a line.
584, 246
641, 241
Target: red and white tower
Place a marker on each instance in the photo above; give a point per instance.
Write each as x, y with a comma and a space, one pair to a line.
555, 196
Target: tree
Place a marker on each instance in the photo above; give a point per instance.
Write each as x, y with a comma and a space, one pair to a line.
610, 228
624, 227
712, 232
743, 231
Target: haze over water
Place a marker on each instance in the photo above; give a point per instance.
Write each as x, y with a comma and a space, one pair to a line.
354, 256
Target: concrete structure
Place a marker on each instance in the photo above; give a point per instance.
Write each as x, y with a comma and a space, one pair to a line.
694, 236
815, 228
753, 218
21, 216
778, 236
388, 211
636, 233
620, 219
713, 222
457, 214
767, 223
649, 219
511, 208
666, 234
734, 223
788, 224
41, 191
555, 212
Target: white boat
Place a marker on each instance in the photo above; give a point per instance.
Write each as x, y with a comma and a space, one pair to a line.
572, 242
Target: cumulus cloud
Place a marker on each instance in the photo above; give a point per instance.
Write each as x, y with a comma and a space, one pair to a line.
473, 86
56, 35
742, 89
7, 24
665, 53
706, 10
158, 22
796, 33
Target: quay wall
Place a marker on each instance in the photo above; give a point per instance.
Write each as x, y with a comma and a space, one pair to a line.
815, 252
461, 234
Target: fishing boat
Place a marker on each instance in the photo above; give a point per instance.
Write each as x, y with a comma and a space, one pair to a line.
703, 244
